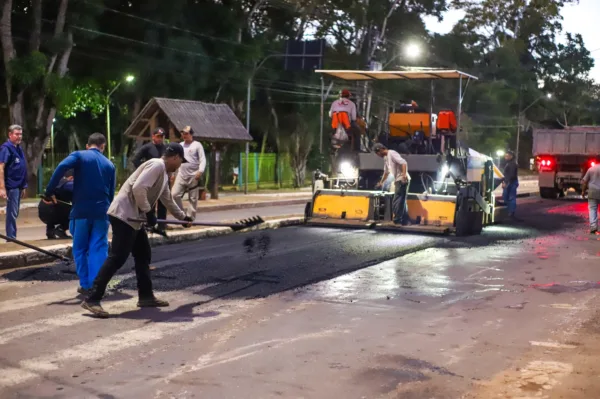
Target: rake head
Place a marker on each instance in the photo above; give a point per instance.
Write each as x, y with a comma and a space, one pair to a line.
246, 223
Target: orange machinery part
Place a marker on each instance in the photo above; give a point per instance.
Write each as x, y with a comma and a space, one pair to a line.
404, 125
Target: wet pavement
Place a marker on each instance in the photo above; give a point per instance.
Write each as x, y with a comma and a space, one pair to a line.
307, 312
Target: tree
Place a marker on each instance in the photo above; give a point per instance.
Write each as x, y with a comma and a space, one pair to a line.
36, 71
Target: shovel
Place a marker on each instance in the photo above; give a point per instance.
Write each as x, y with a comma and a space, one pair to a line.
237, 226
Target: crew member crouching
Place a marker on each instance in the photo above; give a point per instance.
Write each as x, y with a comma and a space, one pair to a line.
56, 215
397, 167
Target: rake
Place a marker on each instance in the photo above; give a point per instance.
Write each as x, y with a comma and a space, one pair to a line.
237, 226
24, 244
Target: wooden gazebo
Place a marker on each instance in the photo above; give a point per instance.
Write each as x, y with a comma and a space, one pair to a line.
216, 124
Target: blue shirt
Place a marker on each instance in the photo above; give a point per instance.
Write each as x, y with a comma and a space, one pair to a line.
15, 166
94, 183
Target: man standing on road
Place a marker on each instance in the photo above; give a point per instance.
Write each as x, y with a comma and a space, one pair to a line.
510, 183
136, 198
188, 176
13, 177
397, 167
152, 150
94, 184
591, 181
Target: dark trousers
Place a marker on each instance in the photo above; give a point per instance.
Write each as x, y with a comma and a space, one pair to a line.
399, 203
161, 213
125, 240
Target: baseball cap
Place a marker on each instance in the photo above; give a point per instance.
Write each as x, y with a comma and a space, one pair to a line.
175, 149
158, 130
187, 129
378, 147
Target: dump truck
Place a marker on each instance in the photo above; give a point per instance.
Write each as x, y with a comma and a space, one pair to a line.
563, 156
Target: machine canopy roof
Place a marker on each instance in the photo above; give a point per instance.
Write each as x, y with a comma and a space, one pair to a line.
412, 74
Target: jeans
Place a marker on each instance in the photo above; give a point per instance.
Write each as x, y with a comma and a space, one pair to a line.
509, 196
125, 240
90, 248
181, 184
13, 203
593, 207
399, 203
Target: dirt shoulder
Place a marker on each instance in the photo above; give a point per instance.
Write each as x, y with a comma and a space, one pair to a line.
564, 368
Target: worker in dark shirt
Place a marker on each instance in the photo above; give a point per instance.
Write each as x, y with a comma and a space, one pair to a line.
510, 183
56, 215
154, 149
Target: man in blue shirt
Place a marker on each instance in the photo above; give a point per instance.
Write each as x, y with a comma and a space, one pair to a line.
13, 177
93, 191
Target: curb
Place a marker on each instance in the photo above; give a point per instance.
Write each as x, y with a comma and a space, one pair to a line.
213, 208
30, 257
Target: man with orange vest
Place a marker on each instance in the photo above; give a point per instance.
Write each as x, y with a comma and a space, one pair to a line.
343, 112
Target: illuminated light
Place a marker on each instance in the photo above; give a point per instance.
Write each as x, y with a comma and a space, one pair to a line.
543, 162
500, 153
347, 169
593, 163
548, 162
445, 171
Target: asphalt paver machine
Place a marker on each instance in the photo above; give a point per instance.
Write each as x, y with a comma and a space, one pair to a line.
452, 186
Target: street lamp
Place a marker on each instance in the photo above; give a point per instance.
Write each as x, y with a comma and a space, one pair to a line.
128, 79
521, 112
412, 51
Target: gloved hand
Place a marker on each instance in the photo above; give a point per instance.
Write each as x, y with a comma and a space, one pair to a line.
151, 218
187, 219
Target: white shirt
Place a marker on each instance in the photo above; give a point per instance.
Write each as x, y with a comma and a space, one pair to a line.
393, 164
196, 160
592, 178
344, 105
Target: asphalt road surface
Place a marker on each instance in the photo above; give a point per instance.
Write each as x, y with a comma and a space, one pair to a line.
306, 312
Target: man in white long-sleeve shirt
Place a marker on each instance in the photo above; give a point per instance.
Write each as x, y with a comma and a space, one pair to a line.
189, 174
137, 198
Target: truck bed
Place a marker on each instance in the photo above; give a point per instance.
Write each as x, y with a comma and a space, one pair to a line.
577, 140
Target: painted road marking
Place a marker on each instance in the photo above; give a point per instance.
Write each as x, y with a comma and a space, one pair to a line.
555, 345
25, 302
100, 348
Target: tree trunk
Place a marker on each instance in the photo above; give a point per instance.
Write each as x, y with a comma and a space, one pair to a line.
8, 49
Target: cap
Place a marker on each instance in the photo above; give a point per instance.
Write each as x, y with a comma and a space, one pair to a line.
175, 149
158, 130
187, 129
378, 147
345, 93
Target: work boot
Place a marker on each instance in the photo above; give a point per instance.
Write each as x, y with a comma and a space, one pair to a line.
95, 308
152, 303
61, 234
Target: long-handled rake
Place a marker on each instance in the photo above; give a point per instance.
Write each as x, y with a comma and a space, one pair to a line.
42, 250
237, 226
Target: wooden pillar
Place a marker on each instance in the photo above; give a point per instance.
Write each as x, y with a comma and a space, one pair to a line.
215, 163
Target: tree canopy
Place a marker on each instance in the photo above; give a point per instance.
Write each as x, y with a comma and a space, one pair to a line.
62, 58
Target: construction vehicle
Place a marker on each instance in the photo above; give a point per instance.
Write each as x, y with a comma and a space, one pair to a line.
563, 156
452, 187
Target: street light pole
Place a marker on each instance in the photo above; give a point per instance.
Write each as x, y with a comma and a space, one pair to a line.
520, 115
128, 79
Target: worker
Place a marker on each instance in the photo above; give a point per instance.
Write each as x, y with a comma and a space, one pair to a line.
56, 216
343, 115
136, 200
590, 187
188, 176
93, 190
397, 167
510, 183
152, 150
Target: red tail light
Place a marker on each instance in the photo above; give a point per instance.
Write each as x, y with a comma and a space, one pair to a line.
546, 163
